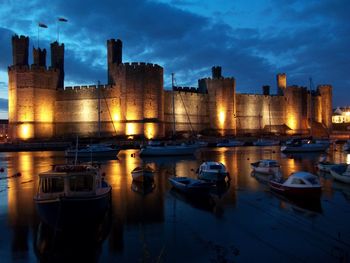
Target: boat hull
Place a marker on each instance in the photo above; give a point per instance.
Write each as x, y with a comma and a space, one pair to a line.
212, 176
304, 148
338, 174
202, 188
295, 192
71, 211
265, 170
142, 176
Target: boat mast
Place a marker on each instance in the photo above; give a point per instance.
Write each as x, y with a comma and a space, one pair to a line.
173, 88
99, 109
310, 104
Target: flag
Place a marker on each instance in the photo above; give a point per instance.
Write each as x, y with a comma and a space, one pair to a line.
42, 25
62, 19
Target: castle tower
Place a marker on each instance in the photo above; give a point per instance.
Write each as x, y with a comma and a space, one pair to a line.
20, 50
222, 101
216, 72
57, 62
114, 56
39, 57
281, 83
325, 92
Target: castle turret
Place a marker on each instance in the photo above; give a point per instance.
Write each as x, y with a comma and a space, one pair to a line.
57, 62
216, 72
114, 56
39, 57
281, 83
20, 50
326, 103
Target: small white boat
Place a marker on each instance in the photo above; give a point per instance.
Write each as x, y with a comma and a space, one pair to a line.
341, 173
70, 193
266, 166
190, 185
229, 143
325, 166
298, 145
346, 146
266, 142
142, 174
297, 185
170, 150
212, 171
94, 151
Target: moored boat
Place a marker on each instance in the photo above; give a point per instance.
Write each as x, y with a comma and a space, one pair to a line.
298, 145
144, 187
325, 166
266, 166
212, 171
141, 174
346, 146
229, 143
169, 150
190, 185
297, 185
94, 151
266, 142
68, 194
341, 173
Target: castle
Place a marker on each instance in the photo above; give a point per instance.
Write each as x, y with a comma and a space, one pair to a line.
134, 101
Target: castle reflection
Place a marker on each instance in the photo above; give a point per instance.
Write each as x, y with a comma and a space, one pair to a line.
132, 211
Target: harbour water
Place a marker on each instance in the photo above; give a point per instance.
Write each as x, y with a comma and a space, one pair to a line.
240, 222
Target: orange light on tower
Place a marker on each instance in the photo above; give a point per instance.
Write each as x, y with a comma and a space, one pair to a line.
150, 130
25, 131
222, 116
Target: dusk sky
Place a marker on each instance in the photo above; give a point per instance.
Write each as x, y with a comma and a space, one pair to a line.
251, 40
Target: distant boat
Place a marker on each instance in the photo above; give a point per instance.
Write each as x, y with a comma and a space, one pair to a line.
297, 185
266, 166
229, 143
169, 150
325, 166
190, 185
341, 173
298, 145
212, 171
93, 150
68, 194
266, 142
346, 146
142, 174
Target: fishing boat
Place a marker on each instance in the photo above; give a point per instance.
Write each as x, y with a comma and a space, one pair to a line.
212, 171
346, 146
141, 174
93, 150
266, 166
168, 150
144, 187
341, 173
190, 185
68, 194
326, 166
229, 143
298, 145
266, 142
298, 185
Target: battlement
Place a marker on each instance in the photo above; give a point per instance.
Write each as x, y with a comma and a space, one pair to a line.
136, 65
33, 68
87, 87
215, 79
186, 89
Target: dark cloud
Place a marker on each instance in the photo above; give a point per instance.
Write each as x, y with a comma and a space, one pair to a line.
304, 39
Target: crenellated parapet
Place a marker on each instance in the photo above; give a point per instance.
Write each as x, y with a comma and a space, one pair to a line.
84, 92
186, 89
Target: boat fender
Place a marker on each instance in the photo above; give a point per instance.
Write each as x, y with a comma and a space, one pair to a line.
103, 174
18, 174
248, 158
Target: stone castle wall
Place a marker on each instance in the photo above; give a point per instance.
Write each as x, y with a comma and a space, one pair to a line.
191, 111
257, 113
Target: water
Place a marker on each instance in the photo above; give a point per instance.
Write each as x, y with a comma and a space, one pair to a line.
243, 222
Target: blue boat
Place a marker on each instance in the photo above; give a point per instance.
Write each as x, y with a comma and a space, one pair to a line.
190, 185
71, 194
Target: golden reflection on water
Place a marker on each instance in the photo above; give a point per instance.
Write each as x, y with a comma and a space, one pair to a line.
348, 158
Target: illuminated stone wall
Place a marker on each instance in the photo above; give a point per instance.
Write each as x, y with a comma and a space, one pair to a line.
221, 103
325, 92
255, 113
134, 105
191, 111
32, 93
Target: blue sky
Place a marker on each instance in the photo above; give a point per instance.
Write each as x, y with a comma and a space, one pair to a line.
251, 40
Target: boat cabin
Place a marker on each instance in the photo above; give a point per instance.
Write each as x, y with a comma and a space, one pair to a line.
302, 179
69, 180
212, 166
268, 163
